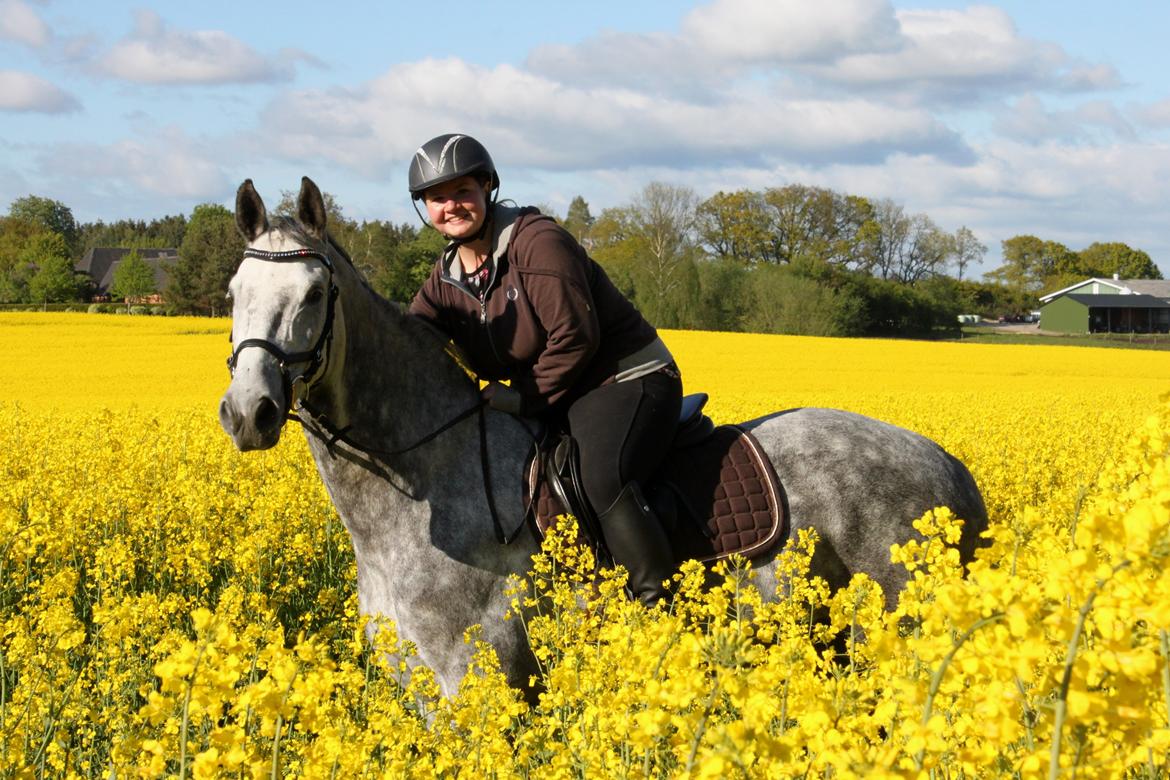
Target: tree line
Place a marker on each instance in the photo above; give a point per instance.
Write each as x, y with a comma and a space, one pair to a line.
810, 260
791, 259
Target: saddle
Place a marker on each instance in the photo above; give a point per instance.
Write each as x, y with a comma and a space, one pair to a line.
715, 494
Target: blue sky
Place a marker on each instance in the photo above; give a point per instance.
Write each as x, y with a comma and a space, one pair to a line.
1042, 117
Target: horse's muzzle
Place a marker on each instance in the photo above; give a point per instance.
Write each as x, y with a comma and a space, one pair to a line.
254, 421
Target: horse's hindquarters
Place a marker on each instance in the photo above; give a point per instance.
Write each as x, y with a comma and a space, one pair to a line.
860, 484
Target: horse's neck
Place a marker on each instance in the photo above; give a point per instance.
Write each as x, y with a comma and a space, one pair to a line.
428, 515
396, 384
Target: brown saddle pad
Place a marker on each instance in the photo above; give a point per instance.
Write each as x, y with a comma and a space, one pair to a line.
728, 496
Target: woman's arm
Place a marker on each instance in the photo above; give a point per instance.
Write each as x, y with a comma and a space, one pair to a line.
554, 267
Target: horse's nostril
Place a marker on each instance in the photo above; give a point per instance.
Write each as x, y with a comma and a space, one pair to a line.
267, 415
228, 417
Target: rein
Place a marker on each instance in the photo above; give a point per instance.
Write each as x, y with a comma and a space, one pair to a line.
317, 358
319, 425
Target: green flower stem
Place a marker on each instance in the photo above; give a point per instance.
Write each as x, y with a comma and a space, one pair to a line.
1074, 641
937, 678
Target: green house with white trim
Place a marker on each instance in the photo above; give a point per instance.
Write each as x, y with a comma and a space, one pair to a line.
1108, 306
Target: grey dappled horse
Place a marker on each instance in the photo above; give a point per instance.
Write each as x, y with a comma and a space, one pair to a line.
437, 485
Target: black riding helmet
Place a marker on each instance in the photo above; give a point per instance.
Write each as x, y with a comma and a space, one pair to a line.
447, 157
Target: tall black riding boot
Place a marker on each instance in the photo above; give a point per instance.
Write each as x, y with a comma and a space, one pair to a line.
636, 540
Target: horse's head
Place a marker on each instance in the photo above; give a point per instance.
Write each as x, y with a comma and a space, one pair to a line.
283, 309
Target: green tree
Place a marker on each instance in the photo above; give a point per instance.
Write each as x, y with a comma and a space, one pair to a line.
734, 226
133, 279
165, 232
52, 215
579, 220
16, 235
1031, 264
211, 250
1114, 257
885, 238
925, 252
784, 301
616, 249
967, 250
408, 265
723, 287
661, 220
55, 280
817, 222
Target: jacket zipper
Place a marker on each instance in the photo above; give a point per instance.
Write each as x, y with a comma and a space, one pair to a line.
482, 306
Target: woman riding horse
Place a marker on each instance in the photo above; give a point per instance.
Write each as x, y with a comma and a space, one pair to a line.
525, 303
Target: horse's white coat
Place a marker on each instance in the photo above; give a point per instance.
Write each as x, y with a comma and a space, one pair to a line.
427, 555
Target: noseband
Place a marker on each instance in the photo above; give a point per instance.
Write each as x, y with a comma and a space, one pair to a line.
315, 357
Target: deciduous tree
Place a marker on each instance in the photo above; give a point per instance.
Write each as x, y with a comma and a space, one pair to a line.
211, 250
55, 280
52, 215
133, 278
661, 221
1031, 263
817, 222
968, 250
1114, 257
734, 226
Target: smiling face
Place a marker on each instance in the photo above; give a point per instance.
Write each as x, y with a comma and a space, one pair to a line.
457, 208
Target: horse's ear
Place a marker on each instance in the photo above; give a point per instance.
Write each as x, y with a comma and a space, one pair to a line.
251, 218
311, 209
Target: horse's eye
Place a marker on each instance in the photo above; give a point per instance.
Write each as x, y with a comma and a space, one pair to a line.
314, 296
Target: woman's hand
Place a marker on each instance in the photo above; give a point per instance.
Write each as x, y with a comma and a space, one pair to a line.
502, 398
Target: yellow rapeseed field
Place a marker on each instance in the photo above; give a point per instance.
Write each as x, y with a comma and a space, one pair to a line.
171, 608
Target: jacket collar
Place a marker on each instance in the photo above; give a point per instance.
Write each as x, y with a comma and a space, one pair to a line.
503, 221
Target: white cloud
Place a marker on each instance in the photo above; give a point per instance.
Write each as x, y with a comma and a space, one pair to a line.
155, 54
20, 23
1028, 120
1155, 114
722, 42
534, 121
963, 53
28, 93
912, 56
649, 62
776, 31
167, 163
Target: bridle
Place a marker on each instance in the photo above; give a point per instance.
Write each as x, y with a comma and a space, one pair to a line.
317, 356
296, 390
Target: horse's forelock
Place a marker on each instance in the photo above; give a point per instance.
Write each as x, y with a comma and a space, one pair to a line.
285, 229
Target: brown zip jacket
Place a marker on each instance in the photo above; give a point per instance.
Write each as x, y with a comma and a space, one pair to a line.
552, 321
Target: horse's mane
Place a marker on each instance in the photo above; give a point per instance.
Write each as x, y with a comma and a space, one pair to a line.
417, 327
